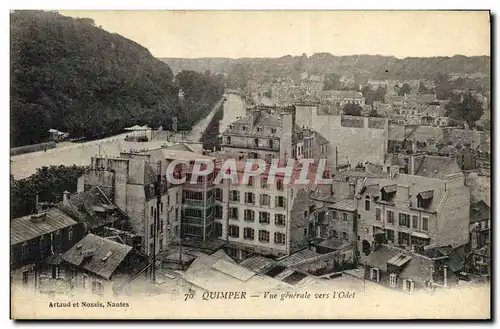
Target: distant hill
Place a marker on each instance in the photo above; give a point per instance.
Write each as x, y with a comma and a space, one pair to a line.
71, 75
372, 66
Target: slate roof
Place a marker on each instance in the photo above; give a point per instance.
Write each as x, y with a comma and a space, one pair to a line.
23, 229
179, 147
416, 268
435, 166
87, 207
100, 248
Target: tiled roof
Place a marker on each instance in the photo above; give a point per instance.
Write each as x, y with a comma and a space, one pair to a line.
345, 204
24, 229
236, 271
104, 255
299, 256
257, 263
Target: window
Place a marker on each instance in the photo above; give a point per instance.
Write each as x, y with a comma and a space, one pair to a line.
408, 286
344, 217
234, 196
425, 224
218, 230
334, 234
161, 207
334, 214
218, 211
25, 277
151, 230
403, 239
378, 213
344, 236
161, 226
367, 203
85, 281
233, 213
234, 231
177, 216
404, 220
152, 211
151, 248
256, 142
218, 194
248, 233
375, 274
279, 238
250, 181
273, 130
229, 139
389, 235
414, 221
280, 202
70, 234
161, 244
390, 217
264, 217
196, 213
393, 280
263, 182
271, 144
249, 198
259, 129
244, 128
249, 215
265, 200
263, 236
279, 219
279, 185
97, 287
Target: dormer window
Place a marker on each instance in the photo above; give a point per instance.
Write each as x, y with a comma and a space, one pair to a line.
273, 130
393, 280
244, 128
388, 192
259, 129
424, 199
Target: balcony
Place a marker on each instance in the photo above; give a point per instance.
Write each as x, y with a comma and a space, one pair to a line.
199, 203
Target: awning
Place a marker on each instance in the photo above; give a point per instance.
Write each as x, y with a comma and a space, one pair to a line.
420, 235
389, 188
426, 195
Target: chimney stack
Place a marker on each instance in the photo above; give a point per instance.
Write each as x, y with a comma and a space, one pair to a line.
352, 189
66, 197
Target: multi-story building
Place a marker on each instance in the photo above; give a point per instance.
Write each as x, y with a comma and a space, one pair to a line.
342, 97
262, 218
140, 190
271, 133
413, 211
36, 243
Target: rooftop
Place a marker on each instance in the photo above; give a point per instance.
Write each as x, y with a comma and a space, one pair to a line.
24, 228
97, 255
479, 211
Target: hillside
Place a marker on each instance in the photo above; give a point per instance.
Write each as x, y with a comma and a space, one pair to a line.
367, 66
70, 75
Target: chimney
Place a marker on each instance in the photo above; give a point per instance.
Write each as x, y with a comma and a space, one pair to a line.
66, 197
352, 189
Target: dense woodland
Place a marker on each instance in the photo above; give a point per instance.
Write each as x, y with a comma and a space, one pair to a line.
48, 182
71, 75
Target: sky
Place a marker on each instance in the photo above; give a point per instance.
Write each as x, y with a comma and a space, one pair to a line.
236, 34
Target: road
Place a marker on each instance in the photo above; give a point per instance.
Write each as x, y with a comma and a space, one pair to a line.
202, 125
234, 108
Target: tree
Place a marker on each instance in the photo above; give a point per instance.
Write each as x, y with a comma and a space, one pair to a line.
468, 109
352, 109
373, 113
332, 82
404, 90
48, 182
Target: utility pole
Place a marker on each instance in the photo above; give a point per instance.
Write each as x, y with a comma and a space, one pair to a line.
155, 219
